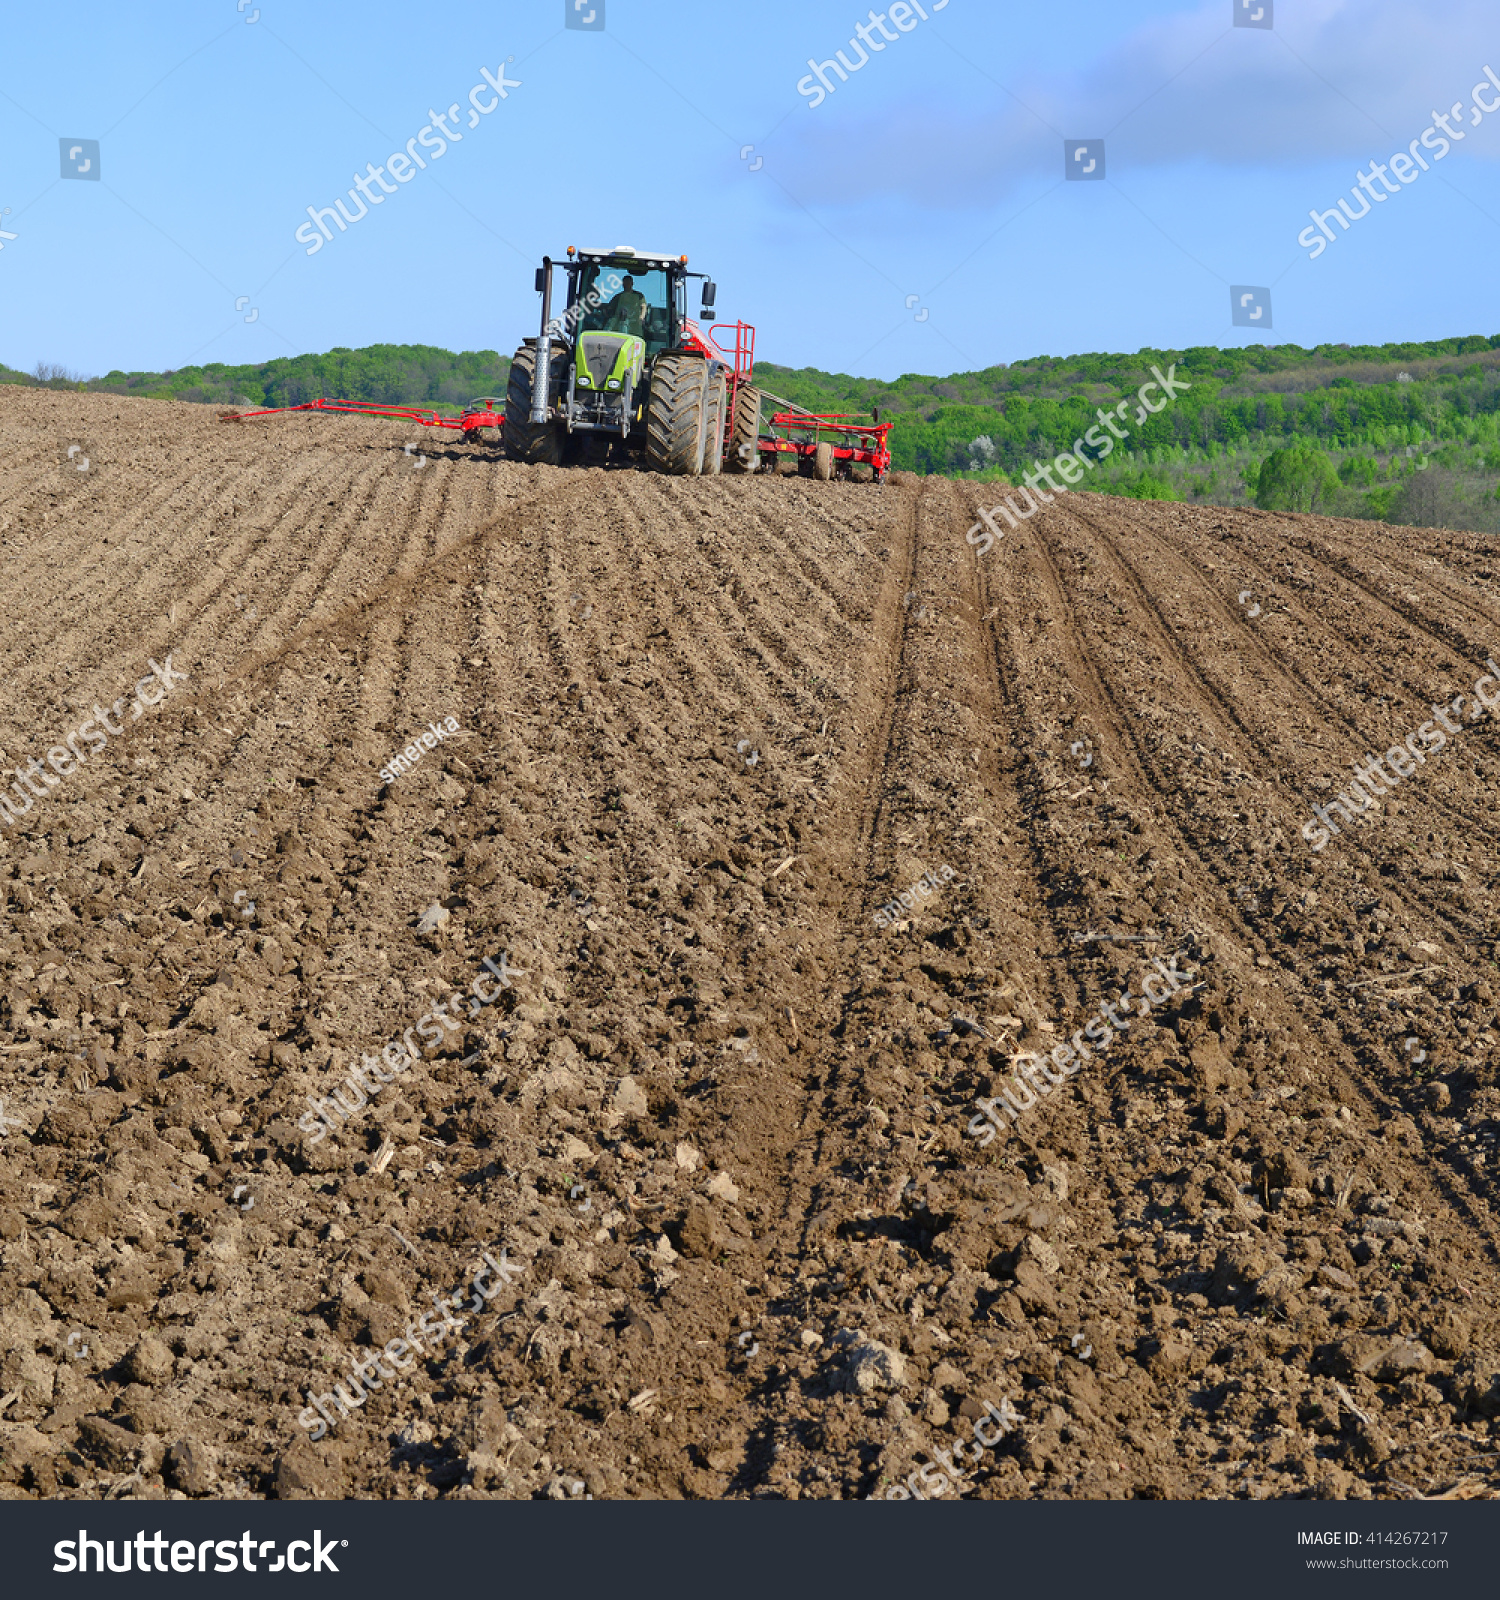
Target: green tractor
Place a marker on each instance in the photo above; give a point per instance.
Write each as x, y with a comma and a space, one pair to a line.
625, 372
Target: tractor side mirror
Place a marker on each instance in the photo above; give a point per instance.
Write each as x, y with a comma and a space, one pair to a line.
710, 289
541, 279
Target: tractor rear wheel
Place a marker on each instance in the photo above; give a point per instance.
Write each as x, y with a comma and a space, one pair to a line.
744, 452
677, 414
537, 444
713, 433
823, 463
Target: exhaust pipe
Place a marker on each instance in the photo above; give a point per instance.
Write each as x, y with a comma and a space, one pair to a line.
542, 377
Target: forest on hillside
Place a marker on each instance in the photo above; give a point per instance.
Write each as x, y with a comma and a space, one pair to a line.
1410, 433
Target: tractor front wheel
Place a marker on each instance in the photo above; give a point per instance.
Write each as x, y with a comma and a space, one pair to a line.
537, 444
677, 415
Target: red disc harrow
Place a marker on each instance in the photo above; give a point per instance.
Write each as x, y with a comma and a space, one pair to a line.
481, 413
835, 443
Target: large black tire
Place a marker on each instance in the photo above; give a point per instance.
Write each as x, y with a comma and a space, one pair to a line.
744, 453
537, 445
713, 432
823, 463
677, 414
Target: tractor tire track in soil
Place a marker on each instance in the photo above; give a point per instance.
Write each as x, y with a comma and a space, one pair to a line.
706, 730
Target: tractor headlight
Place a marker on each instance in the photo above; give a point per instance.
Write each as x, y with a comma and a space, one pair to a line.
612, 383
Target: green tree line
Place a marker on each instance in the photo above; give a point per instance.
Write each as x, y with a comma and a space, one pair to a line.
1409, 431
1404, 432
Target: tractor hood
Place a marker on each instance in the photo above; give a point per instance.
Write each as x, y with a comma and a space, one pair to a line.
605, 360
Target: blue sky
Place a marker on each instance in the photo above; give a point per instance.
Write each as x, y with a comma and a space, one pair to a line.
933, 175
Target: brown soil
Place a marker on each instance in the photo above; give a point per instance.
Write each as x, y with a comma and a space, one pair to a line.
707, 731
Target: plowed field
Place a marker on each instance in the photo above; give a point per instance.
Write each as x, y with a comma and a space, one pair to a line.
716, 1131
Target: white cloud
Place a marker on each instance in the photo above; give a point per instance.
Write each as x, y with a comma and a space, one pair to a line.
1339, 80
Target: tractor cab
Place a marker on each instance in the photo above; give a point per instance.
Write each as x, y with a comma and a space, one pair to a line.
618, 292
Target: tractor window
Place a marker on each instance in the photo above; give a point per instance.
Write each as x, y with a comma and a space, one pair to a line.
611, 307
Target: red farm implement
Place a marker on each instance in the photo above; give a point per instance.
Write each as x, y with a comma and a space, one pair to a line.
829, 445
834, 444
480, 413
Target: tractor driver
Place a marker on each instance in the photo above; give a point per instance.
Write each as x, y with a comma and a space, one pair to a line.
626, 313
